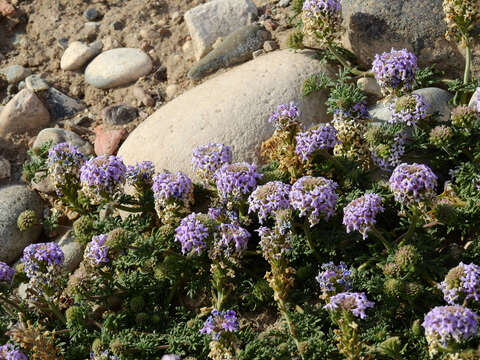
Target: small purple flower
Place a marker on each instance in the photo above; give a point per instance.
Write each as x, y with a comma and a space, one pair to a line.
395, 70
360, 214
220, 322
6, 272
102, 176
409, 110
39, 257
168, 188
461, 284
267, 199
317, 7
232, 239
334, 278
314, 197
236, 181
194, 232
413, 183
285, 116
104, 355
354, 303
323, 137
8, 352
209, 158
445, 324
96, 252
64, 163
140, 175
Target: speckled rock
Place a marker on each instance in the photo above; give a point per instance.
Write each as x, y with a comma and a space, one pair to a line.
58, 136
238, 47
232, 108
117, 67
14, 200
5, 168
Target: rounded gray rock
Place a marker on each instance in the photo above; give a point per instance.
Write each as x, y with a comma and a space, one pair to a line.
58, 136
72, 250
14, 200
117, 67
232, 108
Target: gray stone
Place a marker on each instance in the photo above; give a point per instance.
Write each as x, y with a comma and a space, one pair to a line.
119, 114
232, 108
77, 55
5, 168
370, 86
91, 14
270, 45
171, 357
14, 200
21, 85
72, 250
235, 49
63, 43
57, 136
217, 18
474, 101
437, 98
15, 73
36, 83
373, 27
117, 67
43, 183
258, 53
62, 106
284, 3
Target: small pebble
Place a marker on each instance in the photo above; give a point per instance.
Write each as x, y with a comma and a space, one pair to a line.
36, 83
63, 43
118, 25
171, 90
270, 46
161, 74
15, 73
143, 97
91, 14
284, 3
258, 53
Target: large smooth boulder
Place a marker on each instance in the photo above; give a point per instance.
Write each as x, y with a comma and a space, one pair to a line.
14, 200
375, 26
232, 108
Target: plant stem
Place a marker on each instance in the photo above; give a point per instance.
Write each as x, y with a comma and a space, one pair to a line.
382, 239
282, 306
55, 310
308, 236
344, 63
12, 304
468, 62
411, 228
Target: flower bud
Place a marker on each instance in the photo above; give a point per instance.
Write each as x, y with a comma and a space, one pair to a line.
26, 220
393, 287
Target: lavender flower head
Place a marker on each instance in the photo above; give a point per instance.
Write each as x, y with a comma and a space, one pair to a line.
323, 137
236, 181
267, 199
209, 158
388, 156
220, 322
360, 214
193, 232
413, 183
465, 116
286, 116
6, 273
96, 252
41, 258
350, 302
395, 71
461, 284
334, 278
102, 176
446, 324
64, 163
8, 352
409, 110
172, 191
231, 239
322, 19
140, 175
440, 135
104, 355
314, 197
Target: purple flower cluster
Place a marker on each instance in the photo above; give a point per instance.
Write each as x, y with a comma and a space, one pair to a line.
409, 110
267, 199
444, 324
220, 322
8, 352
42, 256
96, 251
395, 70
64, 163
351, 302
169, 187
314, 197
321, 6
334, 278
102, 175
232, 239
193, 233
140, 175
209, 158
236, 181
285, 116
360, 214
356, 112
413, 183
462, 283
322, 137
6, 272
104, 355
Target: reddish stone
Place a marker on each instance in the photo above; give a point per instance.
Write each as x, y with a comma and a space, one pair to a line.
107, 141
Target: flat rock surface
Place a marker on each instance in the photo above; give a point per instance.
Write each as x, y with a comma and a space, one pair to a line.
117, 67
14, 200
232, 108
217, 18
